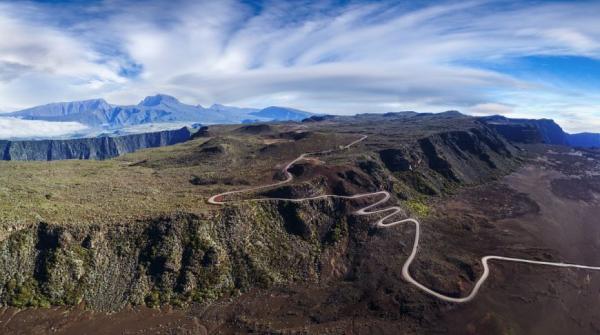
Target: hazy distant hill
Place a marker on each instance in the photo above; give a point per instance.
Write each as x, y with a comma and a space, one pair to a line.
90, 112
542, 130
588, 140
159, 108
281, 113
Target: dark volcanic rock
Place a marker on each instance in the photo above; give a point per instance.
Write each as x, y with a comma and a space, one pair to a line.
255, 129
436, 161
440, 162
319, 118
394, 160
213, 150
201, 132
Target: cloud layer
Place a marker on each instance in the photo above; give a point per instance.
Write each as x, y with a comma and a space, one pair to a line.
13, 128
316, 55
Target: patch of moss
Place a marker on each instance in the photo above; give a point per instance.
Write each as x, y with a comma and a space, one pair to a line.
418, 207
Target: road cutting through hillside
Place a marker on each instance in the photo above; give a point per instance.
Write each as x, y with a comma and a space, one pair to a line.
392, 211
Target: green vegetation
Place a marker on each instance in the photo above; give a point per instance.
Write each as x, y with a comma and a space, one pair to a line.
144, 184
418, 182
25, 294
418, 207
153, 299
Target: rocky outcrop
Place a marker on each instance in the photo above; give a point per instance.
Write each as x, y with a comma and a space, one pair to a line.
89, 148
319, 118
395, 160
519, 133
441, 161
467, 156
255, 129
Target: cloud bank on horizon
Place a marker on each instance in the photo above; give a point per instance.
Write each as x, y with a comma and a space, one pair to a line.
13, 128
521, 59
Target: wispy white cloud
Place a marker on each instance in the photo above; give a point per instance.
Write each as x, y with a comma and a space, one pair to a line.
13, 128
40, 48
317, 55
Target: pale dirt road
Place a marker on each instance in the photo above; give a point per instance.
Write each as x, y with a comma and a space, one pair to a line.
381, 223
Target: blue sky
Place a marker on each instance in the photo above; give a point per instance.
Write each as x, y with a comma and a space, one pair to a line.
521, 59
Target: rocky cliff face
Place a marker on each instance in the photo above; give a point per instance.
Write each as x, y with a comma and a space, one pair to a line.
519, 133
89, 148
528, 130
539, 131
172, 259
442, 161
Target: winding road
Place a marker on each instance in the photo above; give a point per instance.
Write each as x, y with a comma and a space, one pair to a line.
383, 197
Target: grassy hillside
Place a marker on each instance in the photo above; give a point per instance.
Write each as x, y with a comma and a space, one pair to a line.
144, 184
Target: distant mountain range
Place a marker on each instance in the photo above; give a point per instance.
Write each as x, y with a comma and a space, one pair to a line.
160, 108
540, 130
161, 112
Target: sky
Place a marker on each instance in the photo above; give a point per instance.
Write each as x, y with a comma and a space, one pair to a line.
537, 59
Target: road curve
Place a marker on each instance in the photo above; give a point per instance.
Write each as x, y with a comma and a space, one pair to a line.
383, 197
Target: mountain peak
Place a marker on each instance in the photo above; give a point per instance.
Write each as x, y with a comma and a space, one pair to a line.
96, 103
157, 99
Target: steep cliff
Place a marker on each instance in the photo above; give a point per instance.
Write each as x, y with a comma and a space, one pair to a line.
439, 162
539, 131
172, 259
519, 133
89, 148
528, 130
